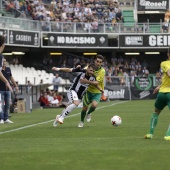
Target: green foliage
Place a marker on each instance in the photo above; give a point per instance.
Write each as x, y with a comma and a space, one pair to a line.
98, 145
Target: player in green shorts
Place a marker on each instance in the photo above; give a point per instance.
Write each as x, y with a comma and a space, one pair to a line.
163, 99
93, 94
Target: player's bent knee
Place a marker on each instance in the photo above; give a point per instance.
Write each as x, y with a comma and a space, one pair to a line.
76, 103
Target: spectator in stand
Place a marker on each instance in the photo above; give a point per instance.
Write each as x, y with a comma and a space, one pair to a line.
126, 66
111, 6
139, 72
58, 98
98, 2
119, 16
167, 15
63, 16
113, 67
121, 77
57, 13
109, 75
56, 81
71, 10
132, 66
145, 27
99, 9
10, 6
17, 8
66, 2
133, 75
23, 8
94, 25
112, 16
43, 100
136, 28
138, 65
53, 3
145, 72
50, 98
35, 2
158, 78
114, 59
39, 15
120, 59
45, 26
87, 26
165, 26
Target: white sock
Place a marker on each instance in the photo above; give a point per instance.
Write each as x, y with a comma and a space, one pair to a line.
62, 112
68, 109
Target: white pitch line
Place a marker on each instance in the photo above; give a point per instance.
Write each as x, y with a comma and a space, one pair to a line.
28, 126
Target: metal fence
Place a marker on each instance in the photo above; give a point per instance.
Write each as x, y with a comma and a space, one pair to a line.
132, 81
82, 27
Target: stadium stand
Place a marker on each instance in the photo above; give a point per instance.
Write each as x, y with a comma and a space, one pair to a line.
23, 74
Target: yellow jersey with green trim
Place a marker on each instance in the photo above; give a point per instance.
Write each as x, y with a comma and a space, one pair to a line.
100, 75
165, 85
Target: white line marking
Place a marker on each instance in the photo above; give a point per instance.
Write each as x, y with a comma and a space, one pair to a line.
28, 126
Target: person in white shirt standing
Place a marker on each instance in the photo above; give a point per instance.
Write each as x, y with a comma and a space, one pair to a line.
56, 81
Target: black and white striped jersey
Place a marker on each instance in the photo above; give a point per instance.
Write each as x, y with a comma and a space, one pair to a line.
77, 86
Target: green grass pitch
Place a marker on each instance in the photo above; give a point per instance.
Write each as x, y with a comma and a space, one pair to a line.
32, 143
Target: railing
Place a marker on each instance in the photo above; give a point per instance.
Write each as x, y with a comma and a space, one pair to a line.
82, 27
131, 80
132, 87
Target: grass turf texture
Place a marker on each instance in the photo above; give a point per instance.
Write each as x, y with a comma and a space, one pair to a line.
98, 145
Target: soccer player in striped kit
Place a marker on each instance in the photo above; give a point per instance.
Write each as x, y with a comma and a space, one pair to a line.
77, 89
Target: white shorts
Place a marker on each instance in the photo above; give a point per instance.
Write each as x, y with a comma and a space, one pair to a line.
72, 96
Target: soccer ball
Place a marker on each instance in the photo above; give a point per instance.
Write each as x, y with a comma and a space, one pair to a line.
116, 120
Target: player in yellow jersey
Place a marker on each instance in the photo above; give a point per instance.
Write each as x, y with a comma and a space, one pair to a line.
93, 94
163, 99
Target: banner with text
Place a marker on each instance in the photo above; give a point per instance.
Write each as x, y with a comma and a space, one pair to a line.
115, 93
153, 5
79, 40
24, 38
138, 41
143, 83
4, 32
124, 93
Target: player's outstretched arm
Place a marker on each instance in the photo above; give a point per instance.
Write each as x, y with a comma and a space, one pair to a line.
98, 87
62, 69
156, 89
85, 81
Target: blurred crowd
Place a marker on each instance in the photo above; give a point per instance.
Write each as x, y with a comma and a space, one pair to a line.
92, 12
51, 98
121, 68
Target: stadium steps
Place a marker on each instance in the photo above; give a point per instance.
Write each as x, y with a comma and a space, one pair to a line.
154, 28
129, 21
127, 13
